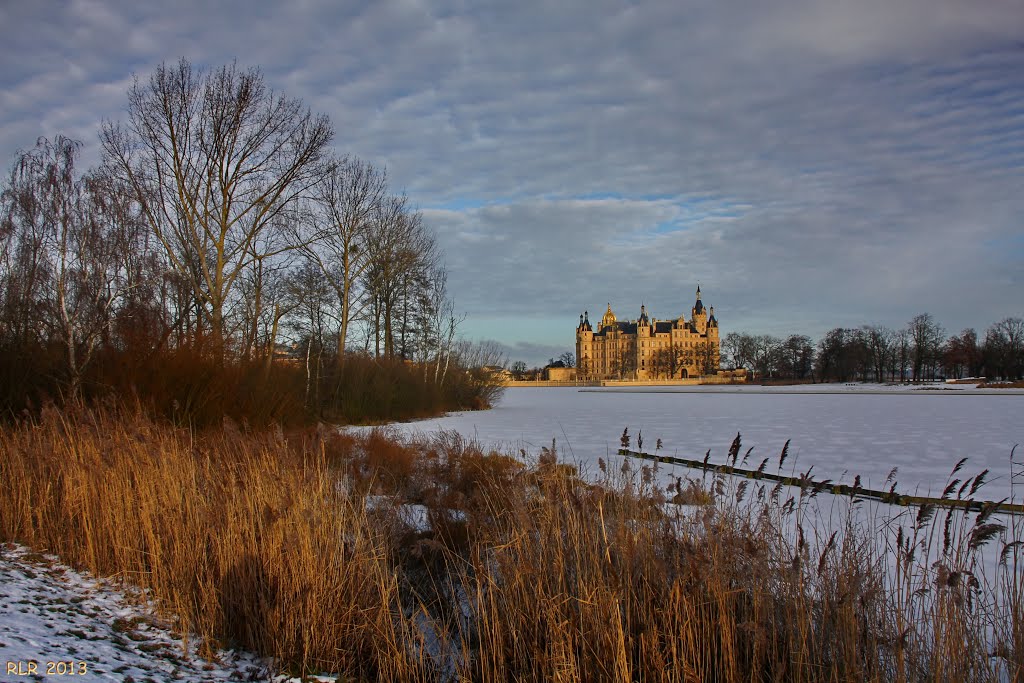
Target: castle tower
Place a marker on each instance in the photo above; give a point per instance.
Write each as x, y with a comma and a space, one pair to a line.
584, 346
643, 323
699, 315
713, 338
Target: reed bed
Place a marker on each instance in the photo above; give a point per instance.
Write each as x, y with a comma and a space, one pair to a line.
376, 560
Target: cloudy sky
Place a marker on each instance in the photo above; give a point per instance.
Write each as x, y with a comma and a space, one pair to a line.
811, 163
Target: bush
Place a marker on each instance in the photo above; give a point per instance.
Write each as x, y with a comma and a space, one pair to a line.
190, 388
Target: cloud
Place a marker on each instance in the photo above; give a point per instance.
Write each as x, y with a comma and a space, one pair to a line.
810, 163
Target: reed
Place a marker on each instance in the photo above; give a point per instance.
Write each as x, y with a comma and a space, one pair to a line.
437, 561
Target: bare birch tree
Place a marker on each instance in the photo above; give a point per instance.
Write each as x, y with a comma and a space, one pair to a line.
74, 253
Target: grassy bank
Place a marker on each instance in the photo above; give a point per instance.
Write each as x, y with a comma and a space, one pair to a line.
382, 561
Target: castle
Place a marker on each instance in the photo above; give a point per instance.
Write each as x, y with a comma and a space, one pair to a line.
647, 348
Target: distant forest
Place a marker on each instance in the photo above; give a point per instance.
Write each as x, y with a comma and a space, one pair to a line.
873, 353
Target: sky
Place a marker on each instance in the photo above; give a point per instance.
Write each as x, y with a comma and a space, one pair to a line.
809, 163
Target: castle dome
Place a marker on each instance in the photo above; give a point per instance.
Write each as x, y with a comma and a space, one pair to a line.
609, 318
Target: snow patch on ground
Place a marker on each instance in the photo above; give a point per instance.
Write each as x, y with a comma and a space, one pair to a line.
57, 624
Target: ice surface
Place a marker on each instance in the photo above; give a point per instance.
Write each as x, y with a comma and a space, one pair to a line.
842, 431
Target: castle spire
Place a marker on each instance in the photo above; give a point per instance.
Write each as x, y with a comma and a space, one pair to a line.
585, 322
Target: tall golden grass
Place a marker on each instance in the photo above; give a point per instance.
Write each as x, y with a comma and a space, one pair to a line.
300, 546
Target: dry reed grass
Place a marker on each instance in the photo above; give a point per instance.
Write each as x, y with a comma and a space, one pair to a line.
523, 572
1018, 384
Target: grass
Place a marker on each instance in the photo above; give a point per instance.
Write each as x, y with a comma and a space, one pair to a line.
299, 545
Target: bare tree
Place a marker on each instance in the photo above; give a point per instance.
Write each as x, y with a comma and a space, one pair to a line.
519, 369
797, 357
927, 337
25, 231
141, 320
901, 354
878, 344
439, 327
72, 251
741, 349
215, 158
961, 355
1004, 348
766, 350
707, 358
476, 359
309, 299
401, 251
832, 358
347, 201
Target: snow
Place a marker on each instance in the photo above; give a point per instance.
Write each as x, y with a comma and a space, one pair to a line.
85, 629
413, 516
842, 430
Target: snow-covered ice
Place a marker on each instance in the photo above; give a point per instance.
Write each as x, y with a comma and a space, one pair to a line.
843, 430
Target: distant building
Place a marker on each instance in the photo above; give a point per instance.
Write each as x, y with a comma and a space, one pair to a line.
559, 372
647, 348
498, 373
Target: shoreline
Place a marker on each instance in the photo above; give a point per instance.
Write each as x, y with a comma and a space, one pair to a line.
646, 389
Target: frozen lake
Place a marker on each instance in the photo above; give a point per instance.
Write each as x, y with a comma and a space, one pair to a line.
861, 430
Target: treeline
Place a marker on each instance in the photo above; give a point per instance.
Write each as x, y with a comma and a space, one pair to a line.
874, 353
222, 254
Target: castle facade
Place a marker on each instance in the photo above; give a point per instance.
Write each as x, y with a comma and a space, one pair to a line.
648, 348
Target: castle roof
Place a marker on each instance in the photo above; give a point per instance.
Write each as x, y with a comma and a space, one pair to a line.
622, 326
610, 324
